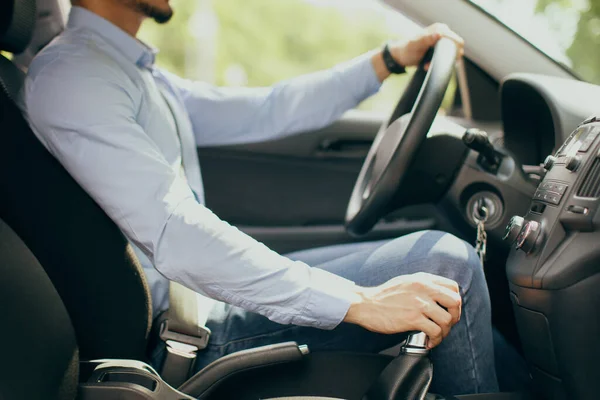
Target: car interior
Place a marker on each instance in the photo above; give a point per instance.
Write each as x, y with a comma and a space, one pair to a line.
520, 142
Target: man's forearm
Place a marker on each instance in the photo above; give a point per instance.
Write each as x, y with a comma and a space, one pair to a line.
222, 116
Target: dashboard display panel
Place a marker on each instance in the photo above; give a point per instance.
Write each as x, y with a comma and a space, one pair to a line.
574, 142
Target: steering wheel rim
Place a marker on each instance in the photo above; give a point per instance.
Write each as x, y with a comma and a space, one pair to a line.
397, 141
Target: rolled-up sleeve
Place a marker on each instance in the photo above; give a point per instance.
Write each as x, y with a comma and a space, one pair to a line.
93, 132
222, 116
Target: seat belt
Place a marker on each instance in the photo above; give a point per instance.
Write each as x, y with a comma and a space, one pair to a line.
183, 325
184, 331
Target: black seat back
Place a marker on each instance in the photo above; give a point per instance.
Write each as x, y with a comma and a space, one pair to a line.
39, 358
83, 252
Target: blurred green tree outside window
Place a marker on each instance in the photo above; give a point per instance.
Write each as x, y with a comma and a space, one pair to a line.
261, 42
566, 30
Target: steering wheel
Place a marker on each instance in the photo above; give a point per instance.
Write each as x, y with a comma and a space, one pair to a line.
398, 140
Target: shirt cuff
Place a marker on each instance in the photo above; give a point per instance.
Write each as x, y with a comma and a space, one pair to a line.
359, 74
329, 300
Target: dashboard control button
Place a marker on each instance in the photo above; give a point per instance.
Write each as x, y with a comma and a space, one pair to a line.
539, 195
549, 162
559, 188
572, 163
585, 145
513, 228
551, 195
588, 141
528, 236
552, 198
578, 210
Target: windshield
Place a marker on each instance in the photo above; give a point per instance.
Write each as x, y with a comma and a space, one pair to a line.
566, 30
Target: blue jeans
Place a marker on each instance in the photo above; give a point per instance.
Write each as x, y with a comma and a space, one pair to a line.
464, 362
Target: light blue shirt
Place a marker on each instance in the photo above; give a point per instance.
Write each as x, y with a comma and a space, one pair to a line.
97, 102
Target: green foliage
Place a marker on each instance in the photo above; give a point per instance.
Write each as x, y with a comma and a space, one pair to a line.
275, 40
543, 4
582, 52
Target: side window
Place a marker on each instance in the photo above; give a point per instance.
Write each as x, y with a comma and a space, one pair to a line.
261, 42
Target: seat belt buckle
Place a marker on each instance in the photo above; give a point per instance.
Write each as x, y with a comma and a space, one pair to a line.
199, 342
179, 362
181, 353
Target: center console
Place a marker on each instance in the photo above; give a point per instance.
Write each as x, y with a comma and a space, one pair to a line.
554, 271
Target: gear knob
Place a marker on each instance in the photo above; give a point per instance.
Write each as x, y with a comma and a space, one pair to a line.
416, 343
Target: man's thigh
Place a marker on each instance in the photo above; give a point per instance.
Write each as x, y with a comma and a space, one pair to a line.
235, 329
321, 255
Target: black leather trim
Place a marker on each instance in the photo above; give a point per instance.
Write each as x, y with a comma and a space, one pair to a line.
208, 379
16, 24
11, 78
406, 377
39, 358
305, 398
494, 396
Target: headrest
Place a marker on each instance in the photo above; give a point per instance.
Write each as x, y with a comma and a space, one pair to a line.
17, 19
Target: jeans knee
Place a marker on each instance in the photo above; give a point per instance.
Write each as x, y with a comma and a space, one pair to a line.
455, 259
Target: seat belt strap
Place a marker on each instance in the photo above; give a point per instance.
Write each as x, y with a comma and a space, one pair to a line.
183, 327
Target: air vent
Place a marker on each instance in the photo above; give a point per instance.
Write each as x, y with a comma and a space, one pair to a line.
590, 187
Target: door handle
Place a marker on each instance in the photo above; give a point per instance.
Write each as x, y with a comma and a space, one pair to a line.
352, 148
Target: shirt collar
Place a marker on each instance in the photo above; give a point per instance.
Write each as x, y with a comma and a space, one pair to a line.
137, 52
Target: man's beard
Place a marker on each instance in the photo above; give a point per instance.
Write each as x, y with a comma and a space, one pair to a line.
159, 15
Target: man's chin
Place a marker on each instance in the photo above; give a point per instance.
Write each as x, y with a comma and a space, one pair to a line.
164, 17
159, 14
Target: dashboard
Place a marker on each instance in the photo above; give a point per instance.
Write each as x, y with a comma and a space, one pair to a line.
554, 258
553, 269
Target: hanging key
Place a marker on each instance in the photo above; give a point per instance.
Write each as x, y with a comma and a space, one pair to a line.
482, 215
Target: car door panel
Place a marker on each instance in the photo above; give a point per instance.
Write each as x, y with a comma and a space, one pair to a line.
292, 193
349, 137
267, 190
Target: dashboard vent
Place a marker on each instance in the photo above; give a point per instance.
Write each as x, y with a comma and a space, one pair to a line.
590, 187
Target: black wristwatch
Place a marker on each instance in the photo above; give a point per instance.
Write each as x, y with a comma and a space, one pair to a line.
391, 64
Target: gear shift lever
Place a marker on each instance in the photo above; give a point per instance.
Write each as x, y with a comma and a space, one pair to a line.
408, 376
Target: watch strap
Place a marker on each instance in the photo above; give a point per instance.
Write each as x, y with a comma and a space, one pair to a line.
390, 63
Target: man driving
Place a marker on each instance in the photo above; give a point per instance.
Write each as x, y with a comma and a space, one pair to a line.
127, 132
